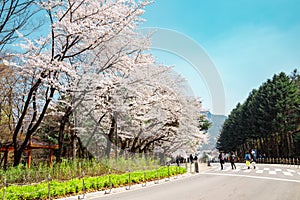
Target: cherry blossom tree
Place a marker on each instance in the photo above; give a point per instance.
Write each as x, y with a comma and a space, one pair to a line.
151, 111
91, 71
7, 82
169, 117
79, 30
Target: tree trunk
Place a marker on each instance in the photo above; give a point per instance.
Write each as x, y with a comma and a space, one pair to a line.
109, 138
74, 132
292, 143
83, 152
277, 141
19, 149
288, 144
35, 122
17, 157
267, 145
5, 156
123, 147
63, 122
80, 148
261, 144
61, 139
73, 138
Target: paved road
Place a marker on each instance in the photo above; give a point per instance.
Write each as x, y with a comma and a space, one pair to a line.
265, 182
280, 172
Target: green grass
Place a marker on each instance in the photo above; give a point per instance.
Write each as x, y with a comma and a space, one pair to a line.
70, 169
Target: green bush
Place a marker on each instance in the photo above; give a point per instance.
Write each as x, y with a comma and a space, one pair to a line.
75, 186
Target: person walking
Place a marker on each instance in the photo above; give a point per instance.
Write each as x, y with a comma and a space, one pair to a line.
178, 160
248, 159
254, 155
191, 158
222, 159
231, 158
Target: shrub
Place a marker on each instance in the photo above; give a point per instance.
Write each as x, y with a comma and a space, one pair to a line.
75, 186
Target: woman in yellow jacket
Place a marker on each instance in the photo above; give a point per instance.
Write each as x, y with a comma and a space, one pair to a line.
248, 159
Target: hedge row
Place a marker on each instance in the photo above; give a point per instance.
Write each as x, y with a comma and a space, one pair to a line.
75, 186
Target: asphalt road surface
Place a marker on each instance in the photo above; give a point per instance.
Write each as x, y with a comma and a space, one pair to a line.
271, 182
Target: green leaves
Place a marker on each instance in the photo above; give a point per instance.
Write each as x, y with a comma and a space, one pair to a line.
271, 110
75, 186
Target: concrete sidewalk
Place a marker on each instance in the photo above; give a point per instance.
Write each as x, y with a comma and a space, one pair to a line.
191, 167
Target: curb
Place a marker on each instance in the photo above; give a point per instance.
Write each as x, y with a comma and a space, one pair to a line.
202, 168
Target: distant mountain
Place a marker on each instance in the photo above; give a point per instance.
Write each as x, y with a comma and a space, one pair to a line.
214, 131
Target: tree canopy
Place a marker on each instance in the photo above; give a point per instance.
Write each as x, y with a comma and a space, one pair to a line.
268, 120
89, 84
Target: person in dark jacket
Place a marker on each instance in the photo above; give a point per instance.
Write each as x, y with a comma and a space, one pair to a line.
222, 159
178, 160
191, 158
231, 158
254, 155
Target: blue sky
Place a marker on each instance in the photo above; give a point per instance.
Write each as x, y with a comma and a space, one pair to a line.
248, 41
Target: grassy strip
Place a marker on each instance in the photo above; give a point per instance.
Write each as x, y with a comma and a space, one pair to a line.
70, 169
75, 186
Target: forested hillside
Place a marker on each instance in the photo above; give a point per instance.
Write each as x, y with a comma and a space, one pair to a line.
213, 132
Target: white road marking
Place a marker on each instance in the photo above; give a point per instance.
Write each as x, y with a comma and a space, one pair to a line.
258, 171
257, 177
227, 169
272, 172
290, 170
288, 173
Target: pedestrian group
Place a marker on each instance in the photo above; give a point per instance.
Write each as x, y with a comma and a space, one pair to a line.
250, 159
